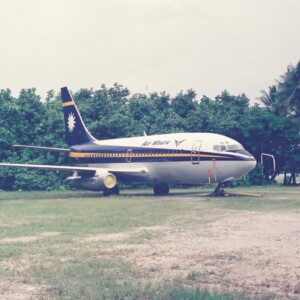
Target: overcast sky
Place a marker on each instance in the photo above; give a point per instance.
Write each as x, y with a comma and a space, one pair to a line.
148, 45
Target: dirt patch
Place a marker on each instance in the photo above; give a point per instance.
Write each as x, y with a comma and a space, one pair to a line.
250, 252
20, 291
14, 224
107, 237
28, 239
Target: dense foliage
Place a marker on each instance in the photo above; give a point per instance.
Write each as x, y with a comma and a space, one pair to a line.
283, 100
114, 112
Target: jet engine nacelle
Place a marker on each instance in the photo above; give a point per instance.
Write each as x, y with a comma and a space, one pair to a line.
100, 181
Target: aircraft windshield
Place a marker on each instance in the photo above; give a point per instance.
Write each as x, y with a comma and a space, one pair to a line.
228, 147
219, 148
234, 147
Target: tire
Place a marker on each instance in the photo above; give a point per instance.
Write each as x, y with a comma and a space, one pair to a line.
161, 189
114, 191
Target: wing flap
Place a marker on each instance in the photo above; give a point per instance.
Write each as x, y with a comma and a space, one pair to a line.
136, 172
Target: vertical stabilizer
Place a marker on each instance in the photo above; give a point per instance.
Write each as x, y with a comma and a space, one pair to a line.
76, 132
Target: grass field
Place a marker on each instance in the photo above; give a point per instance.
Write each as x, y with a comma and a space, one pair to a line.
80, 245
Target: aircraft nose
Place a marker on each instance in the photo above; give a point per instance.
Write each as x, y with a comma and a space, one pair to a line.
252, 164
247, 166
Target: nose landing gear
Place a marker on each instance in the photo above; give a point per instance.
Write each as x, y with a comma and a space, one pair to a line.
219, 191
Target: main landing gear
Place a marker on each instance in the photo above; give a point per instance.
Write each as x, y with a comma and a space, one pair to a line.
114, 191
161, 189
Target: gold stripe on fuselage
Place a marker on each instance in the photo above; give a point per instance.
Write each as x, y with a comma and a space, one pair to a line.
137, 155
69, 103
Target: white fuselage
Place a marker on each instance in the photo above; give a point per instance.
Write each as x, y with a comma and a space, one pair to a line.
180, 158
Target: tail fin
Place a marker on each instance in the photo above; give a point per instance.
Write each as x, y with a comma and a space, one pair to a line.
76, 132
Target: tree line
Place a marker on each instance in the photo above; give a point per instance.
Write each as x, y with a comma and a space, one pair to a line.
113, 112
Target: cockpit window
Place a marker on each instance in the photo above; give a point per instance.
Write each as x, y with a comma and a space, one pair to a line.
219, 148
234, 147
228, 147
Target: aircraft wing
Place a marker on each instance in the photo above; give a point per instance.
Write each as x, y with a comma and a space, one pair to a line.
123, 172
139, 172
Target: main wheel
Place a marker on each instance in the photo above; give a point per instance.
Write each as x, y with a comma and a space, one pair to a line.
161, 189
114, 191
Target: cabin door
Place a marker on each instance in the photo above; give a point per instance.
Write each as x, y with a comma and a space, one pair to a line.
129, 155
195, 154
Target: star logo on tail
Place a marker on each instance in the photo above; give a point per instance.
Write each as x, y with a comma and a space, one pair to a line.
71, 122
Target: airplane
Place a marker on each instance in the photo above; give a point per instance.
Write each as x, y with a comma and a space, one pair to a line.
178, 158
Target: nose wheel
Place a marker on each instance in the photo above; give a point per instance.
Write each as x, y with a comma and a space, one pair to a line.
161, 189
219, 191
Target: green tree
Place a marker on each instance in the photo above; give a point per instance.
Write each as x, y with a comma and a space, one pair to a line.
221, 115
143, 113
100, 110
8, 115
265, 132
284, 98
184, 103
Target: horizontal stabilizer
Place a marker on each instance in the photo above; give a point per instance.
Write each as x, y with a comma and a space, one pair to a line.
42, 148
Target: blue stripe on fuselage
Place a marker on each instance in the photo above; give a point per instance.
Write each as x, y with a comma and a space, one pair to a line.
101, 154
